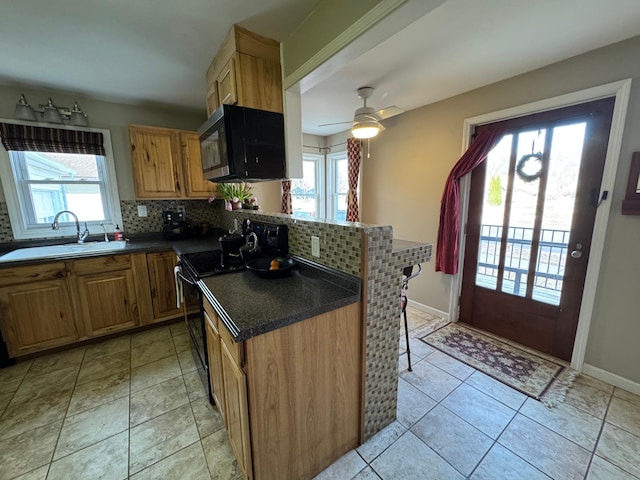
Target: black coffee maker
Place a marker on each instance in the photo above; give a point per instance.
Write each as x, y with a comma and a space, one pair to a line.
175, 225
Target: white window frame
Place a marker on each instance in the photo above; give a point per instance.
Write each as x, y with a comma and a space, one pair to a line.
319, 160
331, 182
18, 213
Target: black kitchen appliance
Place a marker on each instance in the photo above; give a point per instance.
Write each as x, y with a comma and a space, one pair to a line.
273, 240
175, 225
243, 144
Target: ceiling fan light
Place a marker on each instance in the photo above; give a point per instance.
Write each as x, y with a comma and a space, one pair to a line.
366, 129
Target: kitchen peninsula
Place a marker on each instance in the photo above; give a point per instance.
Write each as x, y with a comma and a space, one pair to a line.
285, 365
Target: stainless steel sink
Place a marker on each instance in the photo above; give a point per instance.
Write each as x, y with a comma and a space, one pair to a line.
65, 250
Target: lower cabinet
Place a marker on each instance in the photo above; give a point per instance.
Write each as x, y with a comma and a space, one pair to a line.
163, 287
48, 305
237, 416
215, 359
108, 302
24, 294
291, 398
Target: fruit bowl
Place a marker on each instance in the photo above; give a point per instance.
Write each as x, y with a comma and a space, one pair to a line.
263, 267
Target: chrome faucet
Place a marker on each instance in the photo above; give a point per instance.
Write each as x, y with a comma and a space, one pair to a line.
106, 237
81, 236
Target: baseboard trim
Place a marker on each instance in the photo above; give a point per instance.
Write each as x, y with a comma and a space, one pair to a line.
428, 309
612, 378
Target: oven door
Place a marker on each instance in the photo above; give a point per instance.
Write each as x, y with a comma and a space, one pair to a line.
186, 284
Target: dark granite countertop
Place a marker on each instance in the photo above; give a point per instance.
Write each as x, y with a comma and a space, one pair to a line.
250, 305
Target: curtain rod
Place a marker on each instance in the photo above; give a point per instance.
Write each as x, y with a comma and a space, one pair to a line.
328, 149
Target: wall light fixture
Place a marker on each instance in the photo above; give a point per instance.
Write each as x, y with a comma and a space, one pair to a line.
50, 113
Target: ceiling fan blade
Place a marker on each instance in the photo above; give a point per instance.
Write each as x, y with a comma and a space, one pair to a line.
388, 112
334, 123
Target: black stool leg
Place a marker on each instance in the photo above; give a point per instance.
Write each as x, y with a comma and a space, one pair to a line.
406, 334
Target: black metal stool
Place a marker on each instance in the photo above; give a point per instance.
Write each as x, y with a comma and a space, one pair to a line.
407, 274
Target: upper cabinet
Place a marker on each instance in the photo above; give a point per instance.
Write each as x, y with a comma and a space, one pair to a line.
246, 71
166, 163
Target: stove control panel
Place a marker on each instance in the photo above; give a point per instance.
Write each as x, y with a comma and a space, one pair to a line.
272, 238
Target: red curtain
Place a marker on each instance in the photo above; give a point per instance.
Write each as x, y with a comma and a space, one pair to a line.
354, 151
286, 197
449, 227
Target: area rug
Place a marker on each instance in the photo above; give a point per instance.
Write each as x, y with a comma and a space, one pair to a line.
530, 374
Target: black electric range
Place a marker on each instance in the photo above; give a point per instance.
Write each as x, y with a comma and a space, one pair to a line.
272, 240
198, 265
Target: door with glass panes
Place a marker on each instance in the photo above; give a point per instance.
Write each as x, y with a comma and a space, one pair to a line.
531, 213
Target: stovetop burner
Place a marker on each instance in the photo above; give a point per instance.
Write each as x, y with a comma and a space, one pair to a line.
209, 263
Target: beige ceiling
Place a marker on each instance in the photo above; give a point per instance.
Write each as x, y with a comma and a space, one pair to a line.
157, 51
465, 44
133, 51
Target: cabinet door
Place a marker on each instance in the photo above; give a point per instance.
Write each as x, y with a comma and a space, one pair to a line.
237, 417
215, 364
197, 185
259, 83
163, 287
156, 159
36, 316
108, 301
227, 83
212, 101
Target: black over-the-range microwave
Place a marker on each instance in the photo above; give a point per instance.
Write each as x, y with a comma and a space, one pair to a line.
243, 144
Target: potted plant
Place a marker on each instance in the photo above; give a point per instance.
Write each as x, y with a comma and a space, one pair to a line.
235, 195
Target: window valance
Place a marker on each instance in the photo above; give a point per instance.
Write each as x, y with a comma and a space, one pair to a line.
45, 139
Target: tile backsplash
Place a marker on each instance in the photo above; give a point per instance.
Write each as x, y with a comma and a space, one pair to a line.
197, 211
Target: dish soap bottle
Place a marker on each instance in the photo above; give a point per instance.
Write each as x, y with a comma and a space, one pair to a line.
117, 234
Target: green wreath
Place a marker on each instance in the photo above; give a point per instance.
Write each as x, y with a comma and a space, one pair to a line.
522, 164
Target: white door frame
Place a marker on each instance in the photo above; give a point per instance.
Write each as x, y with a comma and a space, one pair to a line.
621, 90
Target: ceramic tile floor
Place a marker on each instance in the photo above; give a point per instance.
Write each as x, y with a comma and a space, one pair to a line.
134, 408
128, 408
454, 422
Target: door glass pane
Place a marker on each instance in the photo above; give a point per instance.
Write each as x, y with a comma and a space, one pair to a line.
496, 181
564, 166
526, 182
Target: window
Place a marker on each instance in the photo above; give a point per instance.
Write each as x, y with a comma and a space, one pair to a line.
338, 183
39, 184
322, 191
306, 192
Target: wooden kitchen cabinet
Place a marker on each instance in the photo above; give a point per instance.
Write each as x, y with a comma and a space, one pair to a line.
236, 415
52, 304
36, 312
246, 71
107, 299
226, 81
292, 396
214, 354
166, 163
163, 288
197, 186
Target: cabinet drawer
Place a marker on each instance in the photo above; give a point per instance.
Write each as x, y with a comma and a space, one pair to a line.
32, 273
212, 320
236, 349
211, 314
106, 263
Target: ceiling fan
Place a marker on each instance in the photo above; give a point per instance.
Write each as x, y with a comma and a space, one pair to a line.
366, 121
